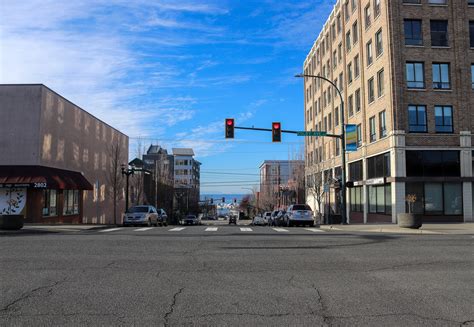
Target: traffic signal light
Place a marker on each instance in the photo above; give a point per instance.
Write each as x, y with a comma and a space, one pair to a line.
229, 128
235, 200
276, 132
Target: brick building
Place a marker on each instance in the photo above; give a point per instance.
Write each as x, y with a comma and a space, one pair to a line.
406, 70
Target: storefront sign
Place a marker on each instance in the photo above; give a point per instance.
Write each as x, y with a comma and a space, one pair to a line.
27, 185
375, 181
351, 137
12, 201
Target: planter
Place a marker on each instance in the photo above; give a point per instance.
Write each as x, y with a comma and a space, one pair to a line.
409, 220
11, 222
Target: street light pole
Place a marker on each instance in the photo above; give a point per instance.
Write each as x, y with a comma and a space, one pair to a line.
127, 172
343, 145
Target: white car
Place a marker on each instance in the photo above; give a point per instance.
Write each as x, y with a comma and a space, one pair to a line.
267, 216
299, 214
259, 220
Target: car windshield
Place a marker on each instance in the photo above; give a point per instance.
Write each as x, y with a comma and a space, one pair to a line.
301, 207
191, 217
137, 209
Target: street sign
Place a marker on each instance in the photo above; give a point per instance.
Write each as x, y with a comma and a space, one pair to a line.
311, 133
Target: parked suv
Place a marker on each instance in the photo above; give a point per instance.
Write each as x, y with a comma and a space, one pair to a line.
299, 214
279, 219
141, 215
162, 217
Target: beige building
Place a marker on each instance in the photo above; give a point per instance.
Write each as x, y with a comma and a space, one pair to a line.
406, 72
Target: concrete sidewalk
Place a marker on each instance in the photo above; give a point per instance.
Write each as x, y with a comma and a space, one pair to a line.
427, 228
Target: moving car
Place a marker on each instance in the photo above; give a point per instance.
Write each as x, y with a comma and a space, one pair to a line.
233, 219
299, 214
191, 220
141, 215
259, 220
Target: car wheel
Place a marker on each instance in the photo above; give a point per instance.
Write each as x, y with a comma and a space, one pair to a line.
149, 223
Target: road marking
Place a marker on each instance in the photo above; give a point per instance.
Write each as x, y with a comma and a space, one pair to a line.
109, 230
245, 229
314, 230
143, 229
211, 229
280, 230
177, 229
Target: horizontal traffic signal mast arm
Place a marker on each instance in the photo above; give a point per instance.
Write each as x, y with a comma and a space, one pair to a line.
283, 131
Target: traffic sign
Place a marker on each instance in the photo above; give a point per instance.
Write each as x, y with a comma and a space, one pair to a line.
311, 133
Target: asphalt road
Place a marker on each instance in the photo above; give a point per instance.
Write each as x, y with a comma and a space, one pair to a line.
226, 276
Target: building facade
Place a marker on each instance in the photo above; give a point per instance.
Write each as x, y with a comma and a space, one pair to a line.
281, 183
406, 72
187, 180
56, 161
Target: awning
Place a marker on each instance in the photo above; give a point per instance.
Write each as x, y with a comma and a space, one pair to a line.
42, 177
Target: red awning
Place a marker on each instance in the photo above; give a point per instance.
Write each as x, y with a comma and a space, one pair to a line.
43, 177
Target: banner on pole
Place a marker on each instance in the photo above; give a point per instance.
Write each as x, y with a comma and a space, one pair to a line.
351, 137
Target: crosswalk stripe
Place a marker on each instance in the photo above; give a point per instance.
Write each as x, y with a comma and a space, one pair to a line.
314, 230
245, 229
177, 229
211, 229
280, 230
110, 230
143, 229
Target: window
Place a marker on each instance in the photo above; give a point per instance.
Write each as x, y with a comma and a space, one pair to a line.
413, 32
441, 76
337, 147
370, 57
470, 2
439, 33
412, 1
355, 171
330, 121
371, 92
415, 74
471, 34
356, 200
329, 94
346, 10
378, 43
380, 83
333, 31
372, 129
354, 5
359, 136
339, 52
376, 8
434, 163
437, 2
349, 73
378, 166
348, 41
368, 20
336, 116
350, 105
339, 25
356, 66
71, 202
380, 200
50, 203
444, 119
357, 100
341, 80
417, 119
382, 125
355, 33
334, 60
472, 76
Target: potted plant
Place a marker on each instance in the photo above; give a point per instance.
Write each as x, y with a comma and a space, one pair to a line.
410, 219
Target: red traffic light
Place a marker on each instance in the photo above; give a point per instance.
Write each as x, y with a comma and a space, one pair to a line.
276, 125
229, 128
229, 122
276, 132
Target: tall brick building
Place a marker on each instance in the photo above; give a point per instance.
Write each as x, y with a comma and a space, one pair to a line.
406, 70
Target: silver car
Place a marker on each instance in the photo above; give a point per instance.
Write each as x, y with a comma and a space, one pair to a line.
162, 217
191, 220
141, 215
299, 214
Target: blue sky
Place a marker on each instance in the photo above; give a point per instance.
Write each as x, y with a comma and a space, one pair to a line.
169, 72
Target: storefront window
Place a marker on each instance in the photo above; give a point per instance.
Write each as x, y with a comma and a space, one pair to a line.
356, 199
433, 197
436, 198
380, 199
71, 202
452, 199
50, 203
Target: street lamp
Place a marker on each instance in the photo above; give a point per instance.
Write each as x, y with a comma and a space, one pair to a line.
342, 136
127, 172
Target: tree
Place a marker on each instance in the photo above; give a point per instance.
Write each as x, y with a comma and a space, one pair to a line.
315, 186
137, 181
114, 174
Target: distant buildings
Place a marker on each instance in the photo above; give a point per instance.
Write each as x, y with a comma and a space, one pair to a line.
281, 183
187, 172
58, 163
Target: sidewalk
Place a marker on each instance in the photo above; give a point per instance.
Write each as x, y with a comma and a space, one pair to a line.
427, 228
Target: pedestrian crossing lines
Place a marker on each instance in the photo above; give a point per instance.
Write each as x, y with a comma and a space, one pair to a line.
280, 230
211, 229
245, 229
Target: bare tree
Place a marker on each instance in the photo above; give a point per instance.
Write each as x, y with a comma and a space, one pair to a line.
315, 186
114, 174
137, 181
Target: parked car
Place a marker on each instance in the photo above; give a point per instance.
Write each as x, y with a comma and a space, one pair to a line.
191, 220
279, 219
272, 221
299, 214
141, 215
267, 216
162, 217
259, 220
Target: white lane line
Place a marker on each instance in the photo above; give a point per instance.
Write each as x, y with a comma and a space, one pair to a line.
245, 229
315, 230
177, 229
142, 229
211, 229
109, 230
280, 230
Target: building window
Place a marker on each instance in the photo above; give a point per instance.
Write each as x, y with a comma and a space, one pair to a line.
355, 171
333, 31
368, 19
415, 74
357, 100
378, 166
371, 92
346, 10
472, 76
436, 198
355, 33
412, 1
413, 32
441, 78
349, 73
470, 2
378, 43
356, 200
370, 57
444, 119
471, 34
380, 83
330, 121
356, 66
354, 5
382, 125
71, 202
359, 135
439, 33
339, 52
348, 41
380, 199
377, 8
339, 26
350, 105
341, 80
336, 116
434, 163
373, 137
437, 2
417, 119
50, 203
334, 60
337, 147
